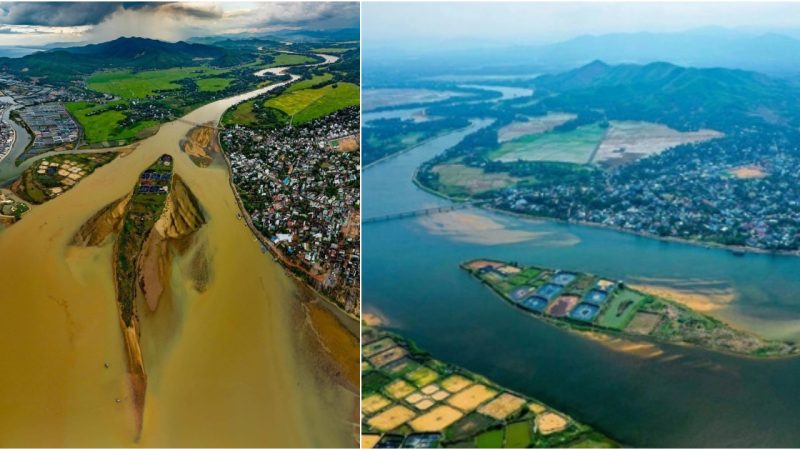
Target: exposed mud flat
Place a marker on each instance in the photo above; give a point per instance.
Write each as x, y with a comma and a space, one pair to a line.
704, 300
201, 144
478, 229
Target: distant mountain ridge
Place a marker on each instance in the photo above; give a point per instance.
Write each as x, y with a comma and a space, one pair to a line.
767, 52
69, 63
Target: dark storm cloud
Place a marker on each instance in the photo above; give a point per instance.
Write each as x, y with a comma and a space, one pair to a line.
314, 14
55, 13
67, 14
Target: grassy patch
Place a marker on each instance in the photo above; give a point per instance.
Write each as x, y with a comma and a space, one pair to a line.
490, 439
213, 84
241, 114
422, 376
128, 85
314, 81
458, 180
104, 126
331, 50
574, 146
289, 59
620, 309
308, 104
518, 435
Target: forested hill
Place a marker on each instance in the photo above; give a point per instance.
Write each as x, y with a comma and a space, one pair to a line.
66, 64
684, 98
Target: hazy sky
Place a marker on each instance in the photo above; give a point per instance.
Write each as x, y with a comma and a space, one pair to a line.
37, 23
531, 23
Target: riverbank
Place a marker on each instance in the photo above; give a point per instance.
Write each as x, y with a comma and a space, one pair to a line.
736, 249
408, 149
588, 303
296, 272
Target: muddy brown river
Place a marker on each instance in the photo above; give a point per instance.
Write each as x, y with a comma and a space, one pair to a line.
241, 364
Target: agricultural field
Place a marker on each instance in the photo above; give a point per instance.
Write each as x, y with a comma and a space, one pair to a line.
289, 59
212, 84
130, 85
313, 81
413, 400
100, 122
332, 50
391, 97
308, 104
628, 141
458, 180
586, 302
534, 125
241, 114
54, 175
575, 146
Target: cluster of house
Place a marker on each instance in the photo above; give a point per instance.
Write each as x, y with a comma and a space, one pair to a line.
303, 195
694, 192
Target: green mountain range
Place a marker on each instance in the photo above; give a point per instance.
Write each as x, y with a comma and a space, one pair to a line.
70, 63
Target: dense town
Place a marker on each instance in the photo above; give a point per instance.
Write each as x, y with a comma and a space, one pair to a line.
742, 191
301, 190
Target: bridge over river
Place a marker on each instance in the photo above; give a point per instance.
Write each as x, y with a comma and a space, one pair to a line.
421, 212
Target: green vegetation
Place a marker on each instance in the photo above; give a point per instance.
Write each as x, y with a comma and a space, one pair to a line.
142, 213
316, 80
458, 180
12, 208
518, 435
308, 104
213, 84
103, 122
241, 114
586, 302
129, 85
621, 309
574, 146
331, 50
442, 405
490, 439
290, 59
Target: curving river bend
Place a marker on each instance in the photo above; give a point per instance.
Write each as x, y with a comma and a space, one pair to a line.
642, 395
240, 364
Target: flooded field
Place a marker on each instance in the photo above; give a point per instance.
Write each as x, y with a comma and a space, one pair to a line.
239, 363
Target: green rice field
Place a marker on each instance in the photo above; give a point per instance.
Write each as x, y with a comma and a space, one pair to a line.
289, 59
308, 104
305, 84
130, 85
574, 146
104, 127
213, 84
490, 439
